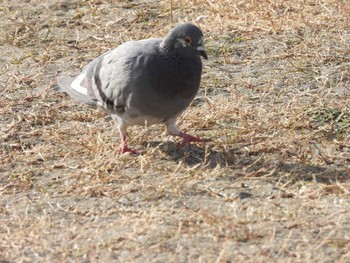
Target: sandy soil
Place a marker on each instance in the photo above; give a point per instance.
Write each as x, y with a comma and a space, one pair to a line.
272, 185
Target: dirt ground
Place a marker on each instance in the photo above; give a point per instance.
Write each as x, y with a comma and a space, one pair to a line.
272, 185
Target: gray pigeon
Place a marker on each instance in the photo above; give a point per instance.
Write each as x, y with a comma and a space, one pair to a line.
144, 82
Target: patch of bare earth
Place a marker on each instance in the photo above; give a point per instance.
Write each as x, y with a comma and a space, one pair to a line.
272, 185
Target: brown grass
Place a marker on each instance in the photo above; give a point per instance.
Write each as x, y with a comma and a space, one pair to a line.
273, 184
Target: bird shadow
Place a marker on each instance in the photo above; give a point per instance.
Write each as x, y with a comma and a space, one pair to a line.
253, 164
191, 154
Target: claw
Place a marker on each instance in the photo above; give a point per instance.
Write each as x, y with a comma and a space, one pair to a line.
126, 149
187, 139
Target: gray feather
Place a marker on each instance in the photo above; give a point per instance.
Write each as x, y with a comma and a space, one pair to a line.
64, 85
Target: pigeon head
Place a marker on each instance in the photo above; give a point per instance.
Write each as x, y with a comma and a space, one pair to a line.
185, 40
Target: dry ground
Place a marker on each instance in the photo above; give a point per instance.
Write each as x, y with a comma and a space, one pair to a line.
273, 184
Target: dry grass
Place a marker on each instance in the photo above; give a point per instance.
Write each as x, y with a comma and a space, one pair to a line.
272, 186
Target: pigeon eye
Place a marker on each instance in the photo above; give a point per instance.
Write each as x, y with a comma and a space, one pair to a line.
187, 40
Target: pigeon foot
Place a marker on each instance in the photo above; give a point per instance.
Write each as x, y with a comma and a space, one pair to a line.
126, 149
187, 139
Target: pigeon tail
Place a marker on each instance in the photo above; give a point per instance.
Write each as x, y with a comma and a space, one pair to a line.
70, 86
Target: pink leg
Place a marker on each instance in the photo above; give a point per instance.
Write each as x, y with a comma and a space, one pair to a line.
125, 148
186, 138
124, 139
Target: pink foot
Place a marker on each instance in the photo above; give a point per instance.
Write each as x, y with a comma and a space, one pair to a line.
126, 149
187, 139
124, 143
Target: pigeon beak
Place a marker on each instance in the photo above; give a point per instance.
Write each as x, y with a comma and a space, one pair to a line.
201, 52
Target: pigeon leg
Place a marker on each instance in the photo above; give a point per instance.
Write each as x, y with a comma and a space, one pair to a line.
124, 139
125, 148
186, 138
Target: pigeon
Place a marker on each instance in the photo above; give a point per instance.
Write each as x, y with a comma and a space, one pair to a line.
144, 82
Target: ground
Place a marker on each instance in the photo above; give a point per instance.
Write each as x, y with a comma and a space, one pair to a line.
272, 185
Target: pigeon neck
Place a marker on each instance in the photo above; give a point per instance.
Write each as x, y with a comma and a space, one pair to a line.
169, 54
